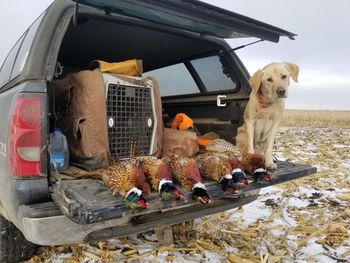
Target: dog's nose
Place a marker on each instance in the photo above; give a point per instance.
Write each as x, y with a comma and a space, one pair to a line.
281, 93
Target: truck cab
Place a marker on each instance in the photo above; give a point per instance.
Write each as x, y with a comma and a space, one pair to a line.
182, 45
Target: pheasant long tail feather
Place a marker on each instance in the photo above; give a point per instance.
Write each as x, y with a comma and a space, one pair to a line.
220, 145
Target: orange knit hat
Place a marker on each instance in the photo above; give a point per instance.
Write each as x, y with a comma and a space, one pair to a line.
182, 122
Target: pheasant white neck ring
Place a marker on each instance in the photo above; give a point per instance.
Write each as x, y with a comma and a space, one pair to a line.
135, 190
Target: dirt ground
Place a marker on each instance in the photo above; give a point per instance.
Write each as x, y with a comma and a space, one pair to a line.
306, 220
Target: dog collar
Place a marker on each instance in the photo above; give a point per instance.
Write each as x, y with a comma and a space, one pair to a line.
262, 102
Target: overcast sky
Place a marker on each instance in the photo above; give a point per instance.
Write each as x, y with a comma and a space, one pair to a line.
321, 49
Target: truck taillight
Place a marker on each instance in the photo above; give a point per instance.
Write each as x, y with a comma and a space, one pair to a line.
27, 136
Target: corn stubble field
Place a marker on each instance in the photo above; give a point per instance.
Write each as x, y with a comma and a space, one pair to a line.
306, 220
315, 118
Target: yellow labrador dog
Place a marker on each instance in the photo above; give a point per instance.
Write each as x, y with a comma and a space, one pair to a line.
264, 109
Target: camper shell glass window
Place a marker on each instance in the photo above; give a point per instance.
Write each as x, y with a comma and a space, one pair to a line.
210, 77
174, 80
213, 74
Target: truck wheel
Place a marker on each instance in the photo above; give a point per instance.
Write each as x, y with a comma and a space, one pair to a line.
13, 245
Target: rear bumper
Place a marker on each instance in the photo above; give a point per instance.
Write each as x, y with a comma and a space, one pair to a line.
59, 229
44, 223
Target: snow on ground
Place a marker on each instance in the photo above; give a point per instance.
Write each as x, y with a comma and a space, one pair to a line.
306, 220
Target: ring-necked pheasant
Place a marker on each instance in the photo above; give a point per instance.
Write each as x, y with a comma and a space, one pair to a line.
127, 178
186, 171
218, 167
159, 175
238, 175
254, 164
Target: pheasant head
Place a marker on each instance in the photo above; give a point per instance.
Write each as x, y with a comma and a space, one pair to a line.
228, 184
239, 177
168, 191
261, 176
254, 164
134, 199
199, 193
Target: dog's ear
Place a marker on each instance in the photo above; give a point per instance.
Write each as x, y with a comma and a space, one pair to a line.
255, 80
293, 70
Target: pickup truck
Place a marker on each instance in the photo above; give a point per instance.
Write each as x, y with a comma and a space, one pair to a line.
182, 44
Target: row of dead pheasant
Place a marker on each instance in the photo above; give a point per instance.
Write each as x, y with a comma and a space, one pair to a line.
222, 163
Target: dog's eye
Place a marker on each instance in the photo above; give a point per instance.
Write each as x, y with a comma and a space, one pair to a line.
270, 80
283, 76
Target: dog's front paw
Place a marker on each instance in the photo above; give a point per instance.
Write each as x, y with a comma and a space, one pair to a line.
271, 166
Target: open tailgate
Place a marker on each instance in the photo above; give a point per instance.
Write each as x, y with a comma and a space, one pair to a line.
88, 201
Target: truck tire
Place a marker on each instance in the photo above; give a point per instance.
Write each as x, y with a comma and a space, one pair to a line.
13, 245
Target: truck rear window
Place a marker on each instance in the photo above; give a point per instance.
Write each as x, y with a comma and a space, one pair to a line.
211, 72
178, 79
174, 80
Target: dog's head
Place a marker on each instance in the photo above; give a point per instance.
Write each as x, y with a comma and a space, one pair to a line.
273, 80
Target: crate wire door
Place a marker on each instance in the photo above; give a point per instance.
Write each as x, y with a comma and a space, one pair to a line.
130, 120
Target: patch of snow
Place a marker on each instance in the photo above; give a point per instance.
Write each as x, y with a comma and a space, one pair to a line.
306, 190
251, 213
270, 190
312, 249
346, 165
299, 203
339, 146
